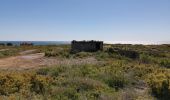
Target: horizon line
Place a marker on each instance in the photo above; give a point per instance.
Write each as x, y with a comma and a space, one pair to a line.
105, 42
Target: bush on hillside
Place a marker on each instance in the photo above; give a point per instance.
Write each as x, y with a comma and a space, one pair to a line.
57, 53
159, 83
123, 52
24, 83
165, 63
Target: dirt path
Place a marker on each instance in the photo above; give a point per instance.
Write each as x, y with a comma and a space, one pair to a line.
25, 61
28, 61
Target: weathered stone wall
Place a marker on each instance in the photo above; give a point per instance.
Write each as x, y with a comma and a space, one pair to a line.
87, 46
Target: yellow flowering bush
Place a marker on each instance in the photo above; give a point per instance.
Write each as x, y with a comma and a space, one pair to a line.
24, 83
159, 82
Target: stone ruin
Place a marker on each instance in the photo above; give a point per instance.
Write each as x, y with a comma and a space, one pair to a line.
26, 44
86, 46
9, 44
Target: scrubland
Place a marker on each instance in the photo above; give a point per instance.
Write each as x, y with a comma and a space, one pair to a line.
120, 72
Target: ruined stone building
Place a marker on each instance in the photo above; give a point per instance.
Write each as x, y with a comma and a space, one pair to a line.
26, 44
87, 46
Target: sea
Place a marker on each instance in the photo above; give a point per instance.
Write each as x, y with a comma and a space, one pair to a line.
41, 43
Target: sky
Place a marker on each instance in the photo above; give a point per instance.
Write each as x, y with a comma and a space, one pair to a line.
66, 20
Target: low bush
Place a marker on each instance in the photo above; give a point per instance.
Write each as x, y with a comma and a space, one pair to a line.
159, 82
82, 55
80, 87
43, 71
124, 52
141, 71
55, 52
24, 83
165, 63
145, 58
115, 77
102, 55
7, 53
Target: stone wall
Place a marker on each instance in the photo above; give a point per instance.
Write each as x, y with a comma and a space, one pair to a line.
87, 46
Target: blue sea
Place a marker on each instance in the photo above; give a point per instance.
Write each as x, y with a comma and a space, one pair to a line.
17, 43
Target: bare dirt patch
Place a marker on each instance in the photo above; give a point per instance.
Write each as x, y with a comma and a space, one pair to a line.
23, 61
29, 61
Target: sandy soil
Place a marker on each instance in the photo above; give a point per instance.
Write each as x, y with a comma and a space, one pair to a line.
27, 61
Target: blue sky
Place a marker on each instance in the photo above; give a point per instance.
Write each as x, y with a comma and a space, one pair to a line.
108, 20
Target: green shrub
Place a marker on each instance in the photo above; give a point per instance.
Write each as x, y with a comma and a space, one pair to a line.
156, 53
88, 70
116, 80
58, 70
62, 93
82, 54
39, 84
145, 58
114, 76
7, 53
141, 71
165, 63
43, 71
57, 52
159, 83
102, 55
124, 52
78, 87
24, 83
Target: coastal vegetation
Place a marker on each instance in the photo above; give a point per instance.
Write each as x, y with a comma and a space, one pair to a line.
120, 72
